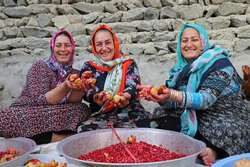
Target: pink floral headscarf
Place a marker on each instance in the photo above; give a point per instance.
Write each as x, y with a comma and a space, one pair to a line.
63, 70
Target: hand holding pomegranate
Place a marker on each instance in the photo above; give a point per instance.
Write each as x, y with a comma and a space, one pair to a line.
121, 100
152, 93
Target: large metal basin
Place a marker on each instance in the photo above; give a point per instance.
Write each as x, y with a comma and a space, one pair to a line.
23, 146
82, 143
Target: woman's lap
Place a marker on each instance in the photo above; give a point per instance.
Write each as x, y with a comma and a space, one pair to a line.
28, 121
123, 119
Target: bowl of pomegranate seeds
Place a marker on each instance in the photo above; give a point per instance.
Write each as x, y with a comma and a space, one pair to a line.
15, 151
131, 147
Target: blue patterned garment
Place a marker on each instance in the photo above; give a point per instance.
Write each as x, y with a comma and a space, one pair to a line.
195, 70
215, 102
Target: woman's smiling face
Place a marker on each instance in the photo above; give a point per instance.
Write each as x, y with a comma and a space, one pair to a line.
104, 45
62, 49
190, 44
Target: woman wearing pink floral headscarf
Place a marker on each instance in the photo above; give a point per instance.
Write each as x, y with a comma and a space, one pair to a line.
41, 112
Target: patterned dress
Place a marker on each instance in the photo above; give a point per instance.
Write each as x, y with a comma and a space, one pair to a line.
131, 116
31, 114
223, 120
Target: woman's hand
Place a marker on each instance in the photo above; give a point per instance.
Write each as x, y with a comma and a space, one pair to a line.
125, 97
161, 98
86, 86
71, 84
80, 85
76, 91
100, 99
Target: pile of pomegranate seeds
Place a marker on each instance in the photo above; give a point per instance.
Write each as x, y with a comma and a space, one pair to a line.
8, 155
143, 152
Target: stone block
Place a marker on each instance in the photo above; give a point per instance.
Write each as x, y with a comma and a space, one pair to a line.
3, 16
123, 28
224, 34
153, 4
37, 44
46, 1
162, 25
34, 32
241, 45
229, 8
238, 21
177, 24
9, 22
172, 46
11, 32
167, 3
2, 24
32, 22
86, 8
21, 22
219, 22
244, 32
60, 21
203, 23
143, 26
112, 18
121, 6
135, 50
74, 19
191, 12
150, 50
66, 10
109, 7
17, 12
82, 40
22, 3
76, 29
217, 2
142, 37
90, 18
56, 2
151, 14
32, 2
132, 15
8, 3
168, 12
44, 20
39, 9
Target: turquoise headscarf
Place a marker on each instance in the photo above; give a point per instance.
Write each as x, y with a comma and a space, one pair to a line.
195, 70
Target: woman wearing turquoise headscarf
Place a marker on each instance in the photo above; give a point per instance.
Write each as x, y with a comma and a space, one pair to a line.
203, 97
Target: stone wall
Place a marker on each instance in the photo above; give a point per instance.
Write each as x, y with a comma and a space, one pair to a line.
146, 29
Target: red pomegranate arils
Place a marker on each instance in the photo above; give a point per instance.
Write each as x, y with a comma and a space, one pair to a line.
135, 160
142, 151
8, 155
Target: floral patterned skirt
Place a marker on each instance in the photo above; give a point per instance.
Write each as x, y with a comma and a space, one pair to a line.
27, 121
120, 118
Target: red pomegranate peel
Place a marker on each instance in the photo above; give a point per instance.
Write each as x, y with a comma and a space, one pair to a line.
123, 144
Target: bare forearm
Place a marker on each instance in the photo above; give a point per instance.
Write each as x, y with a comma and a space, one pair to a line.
173, 95
57, 94
75, 96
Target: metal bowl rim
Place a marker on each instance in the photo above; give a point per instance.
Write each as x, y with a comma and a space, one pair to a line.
59, 146
22, 139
